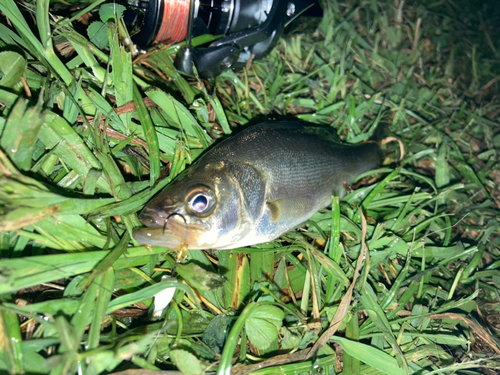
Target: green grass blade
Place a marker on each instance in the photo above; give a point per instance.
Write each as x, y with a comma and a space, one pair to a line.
371, 356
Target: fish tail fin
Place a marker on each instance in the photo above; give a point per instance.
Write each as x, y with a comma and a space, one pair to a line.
376, 140
380, 132
381, 137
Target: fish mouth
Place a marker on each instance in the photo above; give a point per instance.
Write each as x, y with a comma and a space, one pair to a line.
158, 237
153, 218
174, 233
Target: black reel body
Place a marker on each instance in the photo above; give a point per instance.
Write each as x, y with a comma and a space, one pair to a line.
249, 28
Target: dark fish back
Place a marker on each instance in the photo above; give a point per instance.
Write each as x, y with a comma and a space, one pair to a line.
297, 161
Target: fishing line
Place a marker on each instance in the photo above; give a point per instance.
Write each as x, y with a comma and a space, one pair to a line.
174, 25
182, 252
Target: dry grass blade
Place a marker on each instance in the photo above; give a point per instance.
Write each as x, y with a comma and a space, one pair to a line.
325, 337
278, 360
398, 141
343, 309
478, 331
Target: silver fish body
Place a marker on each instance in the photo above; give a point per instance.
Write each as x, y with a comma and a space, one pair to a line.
253, 187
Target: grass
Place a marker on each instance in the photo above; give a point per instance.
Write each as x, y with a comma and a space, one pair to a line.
400, 277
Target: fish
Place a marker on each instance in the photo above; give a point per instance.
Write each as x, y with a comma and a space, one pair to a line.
253, 187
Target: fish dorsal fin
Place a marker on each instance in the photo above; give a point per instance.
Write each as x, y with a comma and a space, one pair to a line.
278, 125
325, 132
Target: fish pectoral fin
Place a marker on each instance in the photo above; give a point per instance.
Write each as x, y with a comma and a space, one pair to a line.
289, 208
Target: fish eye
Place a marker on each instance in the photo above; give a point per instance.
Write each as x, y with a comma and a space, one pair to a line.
201, 201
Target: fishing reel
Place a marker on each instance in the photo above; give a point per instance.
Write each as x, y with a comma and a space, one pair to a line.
249, 28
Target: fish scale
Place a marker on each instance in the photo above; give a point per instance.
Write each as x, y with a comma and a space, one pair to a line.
253, 187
